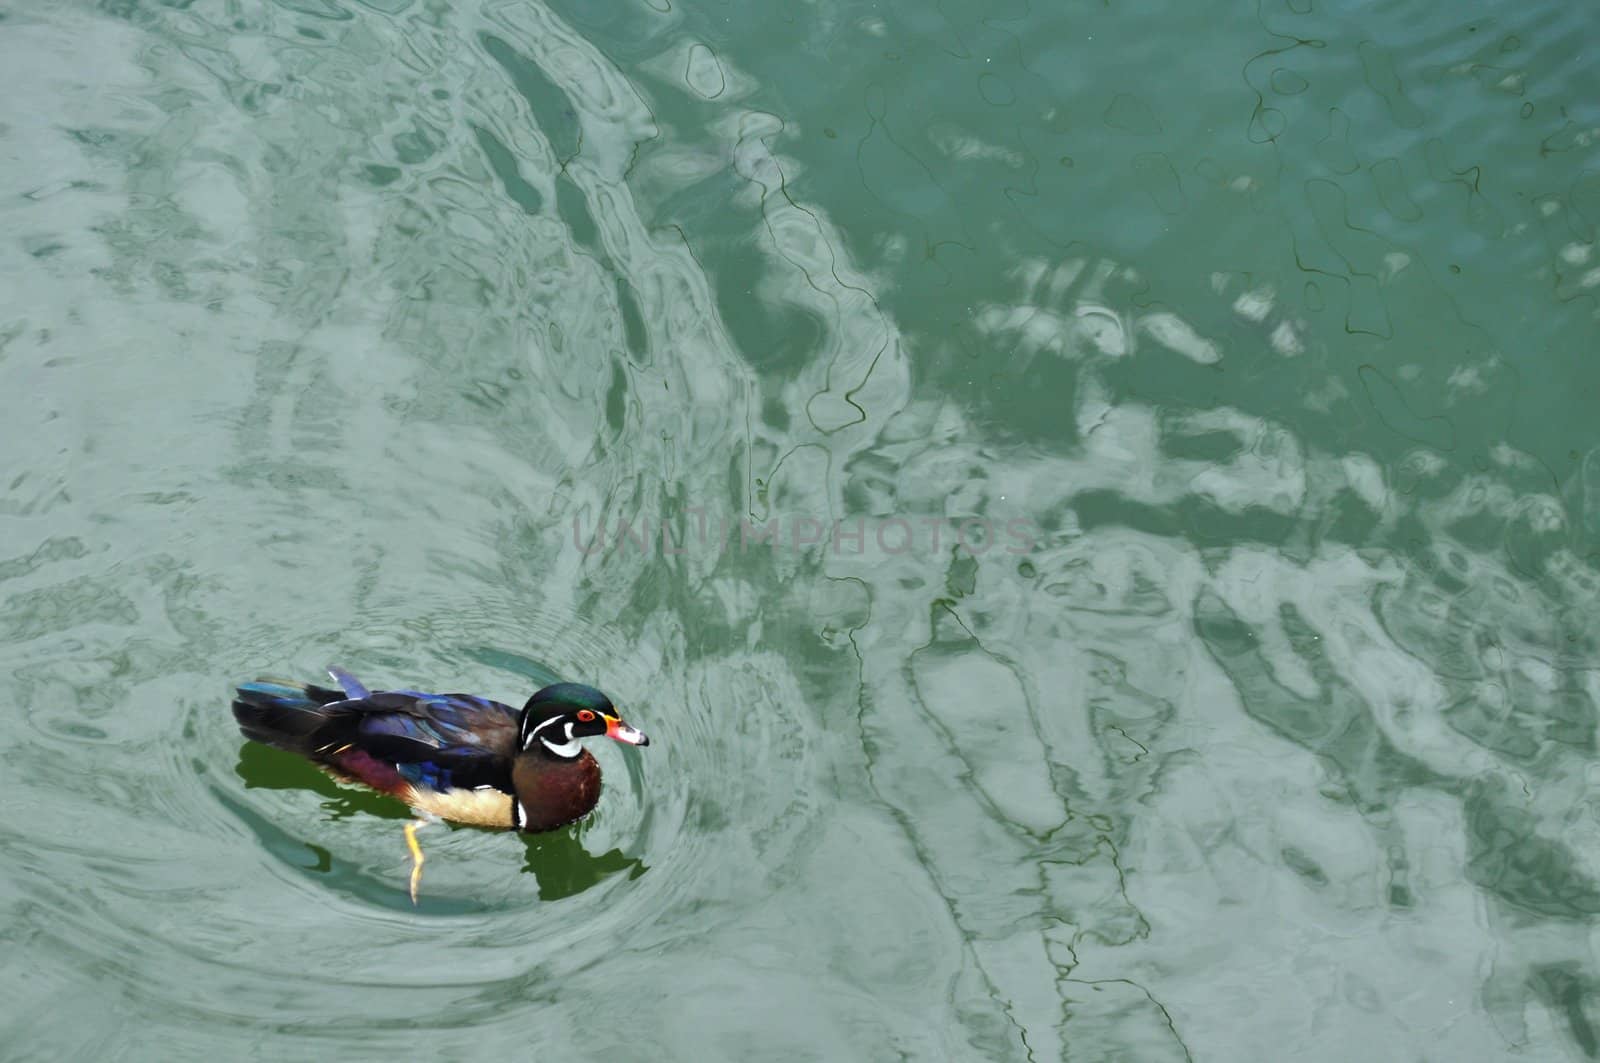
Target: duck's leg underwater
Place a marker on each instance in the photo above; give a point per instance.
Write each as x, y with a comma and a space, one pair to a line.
417, 859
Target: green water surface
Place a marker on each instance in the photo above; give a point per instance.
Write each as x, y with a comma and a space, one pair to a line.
1097, 506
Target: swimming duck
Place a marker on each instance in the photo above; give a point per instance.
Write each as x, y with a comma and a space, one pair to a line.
455, 757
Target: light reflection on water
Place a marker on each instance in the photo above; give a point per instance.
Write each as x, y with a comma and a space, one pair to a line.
330, 325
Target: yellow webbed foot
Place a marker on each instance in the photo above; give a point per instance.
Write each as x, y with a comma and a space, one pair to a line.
417, 858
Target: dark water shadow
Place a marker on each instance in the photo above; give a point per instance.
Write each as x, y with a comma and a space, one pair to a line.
565, 868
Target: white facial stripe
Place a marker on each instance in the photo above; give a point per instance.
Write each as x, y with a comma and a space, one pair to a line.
527, 742
567, 750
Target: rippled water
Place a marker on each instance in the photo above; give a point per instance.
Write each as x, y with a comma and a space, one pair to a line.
1177, 638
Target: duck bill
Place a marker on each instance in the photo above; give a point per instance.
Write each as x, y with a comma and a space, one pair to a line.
615, 728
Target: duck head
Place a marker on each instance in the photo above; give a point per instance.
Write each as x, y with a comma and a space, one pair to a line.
553, 781
556, 717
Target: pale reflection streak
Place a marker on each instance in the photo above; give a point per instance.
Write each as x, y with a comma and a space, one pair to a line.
1329, 644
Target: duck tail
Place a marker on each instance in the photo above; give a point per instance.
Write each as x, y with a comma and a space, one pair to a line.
298, 717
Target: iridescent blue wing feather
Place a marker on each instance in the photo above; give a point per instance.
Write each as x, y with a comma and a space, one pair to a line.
352, 687
443, 741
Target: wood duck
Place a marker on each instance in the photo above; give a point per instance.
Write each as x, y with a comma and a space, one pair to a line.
455, 757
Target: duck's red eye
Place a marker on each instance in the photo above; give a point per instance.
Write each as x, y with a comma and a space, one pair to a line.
585, 716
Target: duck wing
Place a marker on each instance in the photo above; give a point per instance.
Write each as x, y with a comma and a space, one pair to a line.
392, 740
441, 741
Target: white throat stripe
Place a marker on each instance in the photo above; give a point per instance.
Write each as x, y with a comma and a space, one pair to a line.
568, 749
